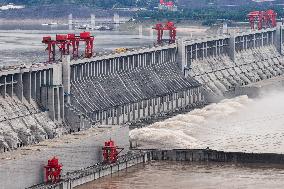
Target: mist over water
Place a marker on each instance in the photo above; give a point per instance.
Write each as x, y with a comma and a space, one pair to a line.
237, 124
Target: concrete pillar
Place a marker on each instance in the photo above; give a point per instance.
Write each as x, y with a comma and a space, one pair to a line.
66, 77
232, 48
132, 65
279, 39
203, 50
254, 40
57, 74
61, 104
3, 86
114, 61
181, 59
152, 58
38, 85
127, 62
27, 86
262, 40
138, 60
50, 103
272, 38
159, 104
93, 69
10, 85
19, 86
33, 85
56, 103
98, 67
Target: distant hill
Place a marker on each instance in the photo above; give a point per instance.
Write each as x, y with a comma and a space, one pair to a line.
83, 8
61, 8
89, 3
108, 4
192, 4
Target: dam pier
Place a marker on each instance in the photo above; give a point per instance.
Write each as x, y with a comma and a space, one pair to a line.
41, 102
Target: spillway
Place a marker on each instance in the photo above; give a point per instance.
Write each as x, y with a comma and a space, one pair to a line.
238, 125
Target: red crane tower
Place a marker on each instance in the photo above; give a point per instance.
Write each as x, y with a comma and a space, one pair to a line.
271, 17
63, 42
53, 170
172, 31
263, 19
89, 43
50, 47
160, 31
169, 26
110, 152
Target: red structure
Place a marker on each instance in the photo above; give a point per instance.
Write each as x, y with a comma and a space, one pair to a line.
271, 18
74, 42
160, 30
89, 43
53, 170
110, 152
172, 31
50, 47
63, 42
170, 26
263, 19
168, 4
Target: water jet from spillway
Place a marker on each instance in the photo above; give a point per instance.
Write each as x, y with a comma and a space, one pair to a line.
237, 124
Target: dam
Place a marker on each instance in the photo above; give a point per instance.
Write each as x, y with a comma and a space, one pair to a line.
42, 102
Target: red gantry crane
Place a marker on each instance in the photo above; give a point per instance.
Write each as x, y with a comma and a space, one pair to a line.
63, 42
110, 152
263, 19
53, 170
169, 26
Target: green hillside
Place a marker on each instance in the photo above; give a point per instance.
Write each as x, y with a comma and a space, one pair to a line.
90, 3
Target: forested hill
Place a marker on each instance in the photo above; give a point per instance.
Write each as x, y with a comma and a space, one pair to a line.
90, 3
208, 10
108, 4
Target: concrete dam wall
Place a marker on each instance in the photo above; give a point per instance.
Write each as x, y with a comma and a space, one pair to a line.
73, 95
24, 119
223, 64
220, 74
133, 94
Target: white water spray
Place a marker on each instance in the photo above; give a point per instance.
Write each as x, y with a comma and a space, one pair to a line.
238, 124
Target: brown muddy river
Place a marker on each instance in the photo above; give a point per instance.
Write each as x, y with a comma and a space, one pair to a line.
184, 175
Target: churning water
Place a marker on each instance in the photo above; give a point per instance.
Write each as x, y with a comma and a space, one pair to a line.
237, 124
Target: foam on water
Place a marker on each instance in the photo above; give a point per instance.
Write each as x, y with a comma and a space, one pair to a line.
238, 124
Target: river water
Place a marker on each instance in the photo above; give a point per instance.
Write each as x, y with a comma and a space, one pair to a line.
182, 175
238, 124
